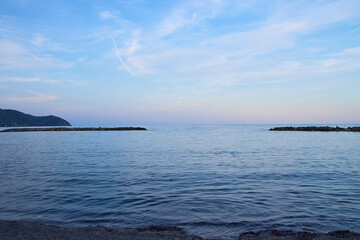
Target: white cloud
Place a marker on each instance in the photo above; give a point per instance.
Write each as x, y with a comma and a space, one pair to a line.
133, 44
15, 56
281, 28
187, 15
118, 54
77, 82
37, 97
234, 56
23, 79
291, 71
42, 80
348, 52
106, 15
38, 40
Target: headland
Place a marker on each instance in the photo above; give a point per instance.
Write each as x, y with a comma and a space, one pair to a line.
14, 118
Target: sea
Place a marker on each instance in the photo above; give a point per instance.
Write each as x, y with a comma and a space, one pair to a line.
212, 181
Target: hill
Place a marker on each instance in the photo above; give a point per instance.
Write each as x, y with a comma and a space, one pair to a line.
13, 118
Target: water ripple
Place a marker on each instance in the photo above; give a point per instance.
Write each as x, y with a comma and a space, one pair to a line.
210, 180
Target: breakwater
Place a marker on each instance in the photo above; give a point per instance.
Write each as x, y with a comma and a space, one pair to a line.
317, 129
63, 129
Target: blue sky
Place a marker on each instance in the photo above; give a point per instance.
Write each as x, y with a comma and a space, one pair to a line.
182, 62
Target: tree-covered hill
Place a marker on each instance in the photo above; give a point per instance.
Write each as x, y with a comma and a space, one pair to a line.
13, 118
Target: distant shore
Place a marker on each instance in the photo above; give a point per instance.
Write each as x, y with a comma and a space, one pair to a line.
64, 129
317, 129
10, 230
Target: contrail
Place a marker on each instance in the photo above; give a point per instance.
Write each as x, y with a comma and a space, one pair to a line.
117, 52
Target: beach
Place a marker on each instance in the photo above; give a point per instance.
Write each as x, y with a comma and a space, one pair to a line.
11, 230
25, 230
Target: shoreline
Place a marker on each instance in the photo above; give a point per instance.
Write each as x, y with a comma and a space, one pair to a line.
10, 230
66, 129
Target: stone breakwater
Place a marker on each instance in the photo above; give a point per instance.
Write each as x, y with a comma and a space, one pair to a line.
10, 230
63, 129
317, 129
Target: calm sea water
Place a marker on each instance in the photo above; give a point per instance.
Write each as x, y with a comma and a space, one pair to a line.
213, 181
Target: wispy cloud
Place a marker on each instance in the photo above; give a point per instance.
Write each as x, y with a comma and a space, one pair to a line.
348, 52
135, 43
14, 55
192, 56
45, 44
290, 71
106, 15
237, 56
119, 55
37, 97
288, 22
187, 15
43, 80
23, 79
38, 40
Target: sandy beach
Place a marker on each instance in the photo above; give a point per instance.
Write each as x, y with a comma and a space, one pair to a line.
25, 230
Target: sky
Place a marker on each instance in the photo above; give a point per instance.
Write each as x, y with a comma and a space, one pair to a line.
133, 62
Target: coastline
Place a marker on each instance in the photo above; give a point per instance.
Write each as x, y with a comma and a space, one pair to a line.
10, 230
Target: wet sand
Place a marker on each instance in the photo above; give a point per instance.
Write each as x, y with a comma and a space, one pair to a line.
24, 230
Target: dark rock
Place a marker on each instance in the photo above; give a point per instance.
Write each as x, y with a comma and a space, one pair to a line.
344, 234
290, 235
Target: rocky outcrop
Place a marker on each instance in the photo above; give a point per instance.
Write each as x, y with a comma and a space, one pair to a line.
13, 118
290, 235
62, 129
318, 129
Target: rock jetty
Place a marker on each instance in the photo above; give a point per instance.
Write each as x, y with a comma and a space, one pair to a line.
65, 129
317, 129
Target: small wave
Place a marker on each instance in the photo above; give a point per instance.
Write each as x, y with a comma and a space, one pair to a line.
210, 224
